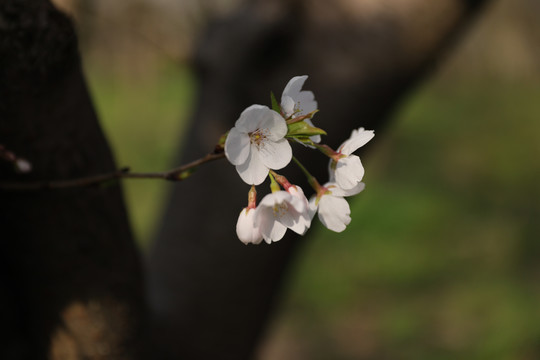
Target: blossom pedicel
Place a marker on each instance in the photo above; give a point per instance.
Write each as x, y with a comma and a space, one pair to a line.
258, 144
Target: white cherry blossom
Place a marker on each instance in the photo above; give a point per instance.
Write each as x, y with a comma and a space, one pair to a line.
257, 143
348, 171
278, 211
297, 102
334, 211
246, 229
304, 221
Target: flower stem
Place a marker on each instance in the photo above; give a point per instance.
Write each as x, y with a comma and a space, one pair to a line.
328, 151
310, 178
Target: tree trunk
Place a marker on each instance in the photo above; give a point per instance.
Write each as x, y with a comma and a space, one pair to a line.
211, 296
72, 284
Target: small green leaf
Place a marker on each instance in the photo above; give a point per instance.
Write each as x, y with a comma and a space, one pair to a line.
302, 129
275, 104
222, 139
186, 173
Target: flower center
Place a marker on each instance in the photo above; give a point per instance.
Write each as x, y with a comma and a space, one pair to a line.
297, 108
258, 137
280, 209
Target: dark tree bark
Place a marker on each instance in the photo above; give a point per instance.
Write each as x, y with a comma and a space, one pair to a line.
72, 284
211, 295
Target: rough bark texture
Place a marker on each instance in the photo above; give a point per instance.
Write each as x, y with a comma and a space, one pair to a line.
72, 284
211, 295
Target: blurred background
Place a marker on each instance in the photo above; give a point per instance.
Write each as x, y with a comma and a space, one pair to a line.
441, 258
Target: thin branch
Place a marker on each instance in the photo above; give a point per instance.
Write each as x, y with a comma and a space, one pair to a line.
177, 174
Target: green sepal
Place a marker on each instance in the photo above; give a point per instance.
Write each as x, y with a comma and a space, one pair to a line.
302, 129
304, 140
222, 139
275, 105
274, 186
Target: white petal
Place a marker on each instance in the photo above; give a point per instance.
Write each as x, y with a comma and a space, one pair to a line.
289, 216
237, 146
294, 86
287, 105
300, 226
275, 155
297, 203
296, 191
302, 223
251, 118
291, 213
280, 197
252, 171
271, 229
337, 191
358, 139
276, 197
246, 229
258, 117
313, 205
306, 101
334, 212
276, 233
283, 207
349, 172
275, 124
332, 171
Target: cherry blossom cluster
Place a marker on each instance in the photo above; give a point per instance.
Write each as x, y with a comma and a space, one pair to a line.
260, 143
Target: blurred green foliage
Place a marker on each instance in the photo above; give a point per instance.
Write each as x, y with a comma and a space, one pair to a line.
440, 260
143, 118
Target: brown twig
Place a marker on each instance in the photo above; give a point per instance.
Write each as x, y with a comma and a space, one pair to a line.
177, 174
